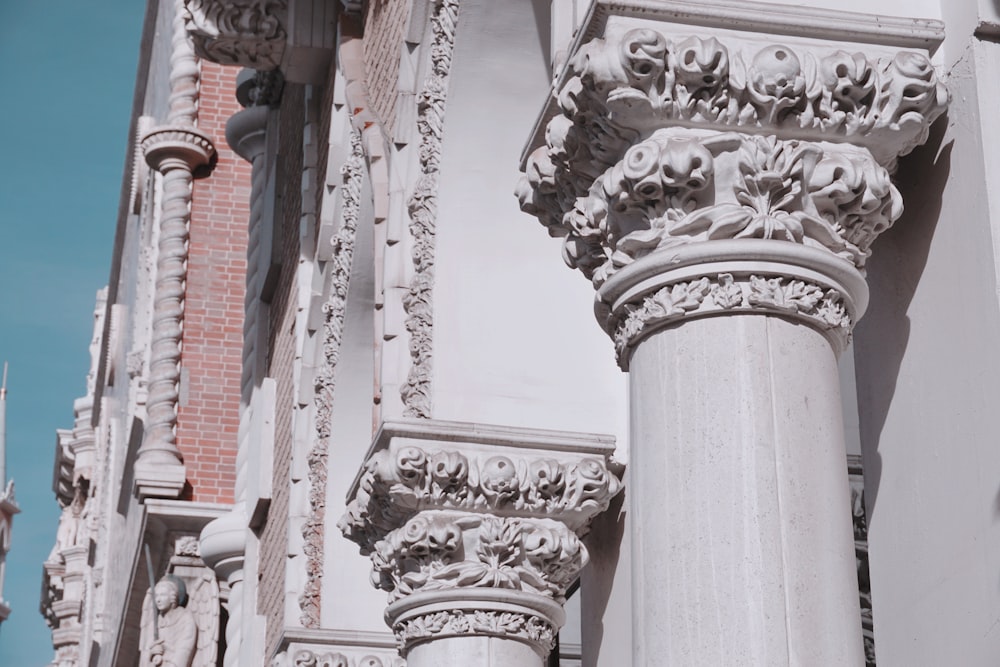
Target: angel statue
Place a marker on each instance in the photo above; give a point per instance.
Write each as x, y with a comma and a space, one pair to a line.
170, 633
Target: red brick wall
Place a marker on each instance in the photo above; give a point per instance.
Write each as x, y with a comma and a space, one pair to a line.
208, 416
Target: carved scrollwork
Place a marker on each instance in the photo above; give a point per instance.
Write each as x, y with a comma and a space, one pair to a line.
250, 33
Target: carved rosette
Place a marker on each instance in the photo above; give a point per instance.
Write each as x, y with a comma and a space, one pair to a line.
658, 141
250, 33
478, 533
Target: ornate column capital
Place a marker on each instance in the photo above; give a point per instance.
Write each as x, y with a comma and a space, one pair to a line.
475, 530
673, 125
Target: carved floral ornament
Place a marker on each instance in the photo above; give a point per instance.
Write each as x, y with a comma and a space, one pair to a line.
250, 33
438, 518
660, 143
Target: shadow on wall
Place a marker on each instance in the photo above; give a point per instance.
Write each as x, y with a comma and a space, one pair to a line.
598, 579
894, 270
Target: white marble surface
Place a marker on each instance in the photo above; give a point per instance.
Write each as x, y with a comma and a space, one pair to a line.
742, 544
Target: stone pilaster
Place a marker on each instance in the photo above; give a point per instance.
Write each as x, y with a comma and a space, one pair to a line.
474, 531
722, 187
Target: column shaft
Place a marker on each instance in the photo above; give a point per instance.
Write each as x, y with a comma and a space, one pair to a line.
742, 543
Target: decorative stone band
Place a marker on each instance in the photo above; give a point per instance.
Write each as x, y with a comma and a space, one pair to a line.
531, 619
250, 33
731, 277
478, 515
178, 147
657, 136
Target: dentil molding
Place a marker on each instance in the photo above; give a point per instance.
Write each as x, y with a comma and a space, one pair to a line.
476, 529
674, 125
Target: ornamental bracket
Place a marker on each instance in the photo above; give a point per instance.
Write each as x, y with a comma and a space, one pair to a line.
295, 36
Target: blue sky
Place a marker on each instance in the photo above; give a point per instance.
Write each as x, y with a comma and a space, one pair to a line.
68, 69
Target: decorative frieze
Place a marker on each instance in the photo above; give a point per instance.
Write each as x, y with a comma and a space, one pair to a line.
475, 530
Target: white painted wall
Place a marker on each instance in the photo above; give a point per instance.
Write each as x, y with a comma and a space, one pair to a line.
515, 340
928, 369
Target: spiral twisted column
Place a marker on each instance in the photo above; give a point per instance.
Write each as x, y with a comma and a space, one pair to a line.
722, 192
178, 151
474, 532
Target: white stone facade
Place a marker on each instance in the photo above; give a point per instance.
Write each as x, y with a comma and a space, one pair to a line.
784, 216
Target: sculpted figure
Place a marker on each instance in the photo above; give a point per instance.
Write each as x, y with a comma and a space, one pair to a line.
170, 637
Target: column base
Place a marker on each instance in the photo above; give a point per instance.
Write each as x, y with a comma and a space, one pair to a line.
159, 480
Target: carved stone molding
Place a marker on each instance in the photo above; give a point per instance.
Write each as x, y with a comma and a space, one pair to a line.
334, 314
659, 136
422, 206
494, 613
475, 530
731, 277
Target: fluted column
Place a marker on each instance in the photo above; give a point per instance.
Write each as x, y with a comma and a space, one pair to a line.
474, 532
178, 150
722, 189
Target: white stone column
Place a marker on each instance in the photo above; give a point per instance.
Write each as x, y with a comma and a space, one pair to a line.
474, 531
178, 150
722, 193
